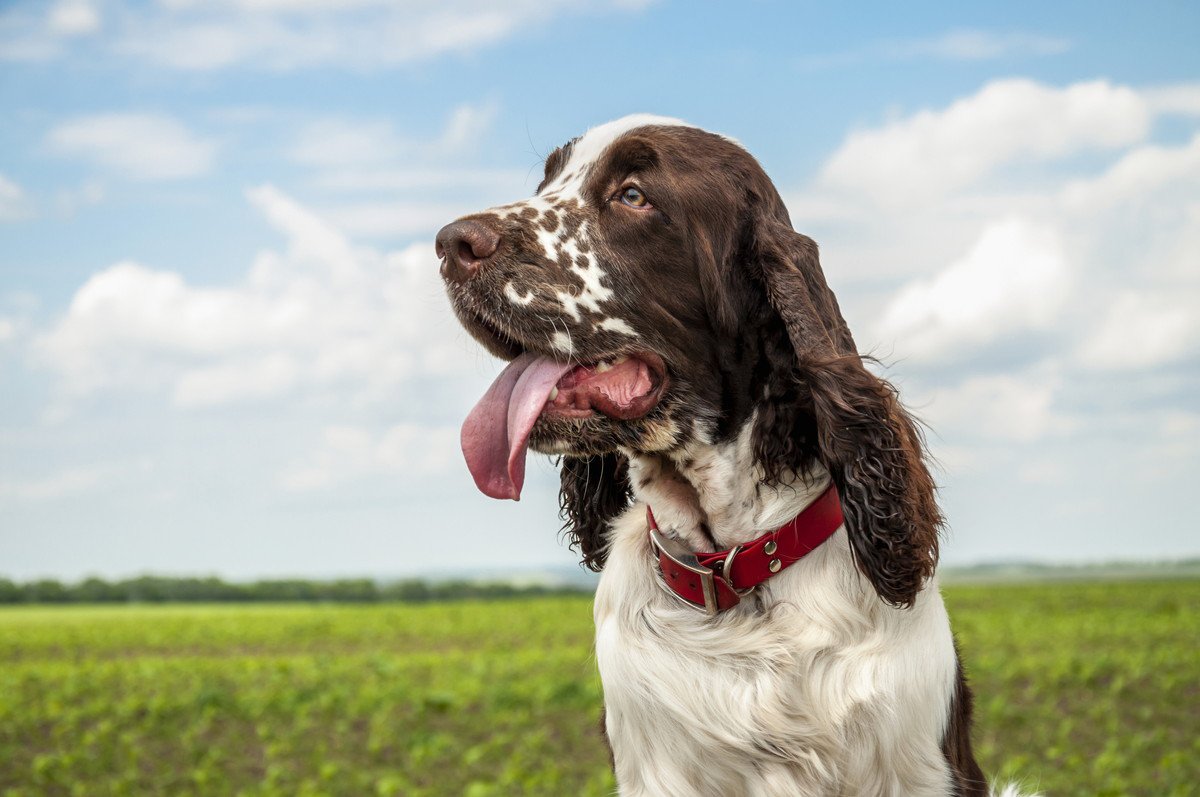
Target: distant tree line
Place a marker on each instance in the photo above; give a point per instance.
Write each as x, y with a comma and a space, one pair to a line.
159, 589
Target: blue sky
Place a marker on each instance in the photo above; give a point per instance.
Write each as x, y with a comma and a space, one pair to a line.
224, 348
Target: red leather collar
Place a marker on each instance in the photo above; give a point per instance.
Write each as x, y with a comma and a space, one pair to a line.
714, 582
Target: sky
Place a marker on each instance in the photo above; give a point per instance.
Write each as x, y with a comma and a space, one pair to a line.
224, 346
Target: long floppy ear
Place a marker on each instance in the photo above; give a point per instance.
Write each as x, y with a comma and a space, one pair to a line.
871, 446
594, 490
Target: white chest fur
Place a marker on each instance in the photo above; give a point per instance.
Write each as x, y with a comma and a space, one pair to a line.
813, 686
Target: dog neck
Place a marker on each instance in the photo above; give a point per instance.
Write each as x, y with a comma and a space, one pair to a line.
712, 496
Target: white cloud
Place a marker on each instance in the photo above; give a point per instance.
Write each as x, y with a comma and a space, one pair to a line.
13, 203
1097, 256
338, 144
321, 315
21, 39
134, 145
1069, 325
1013, 279
466, 126
352, 452
1179, 254
905, 212
8, 330
1008, 407
1142, 329
1182, 99
73, 18
1140, 174
259, 376
978, 45
294, 34
955, 45
932, 153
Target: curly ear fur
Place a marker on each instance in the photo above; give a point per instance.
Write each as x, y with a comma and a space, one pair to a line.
594, 490
873, 450
828, 406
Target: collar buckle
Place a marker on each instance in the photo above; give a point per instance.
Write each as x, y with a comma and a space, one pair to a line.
705, 581
681, 557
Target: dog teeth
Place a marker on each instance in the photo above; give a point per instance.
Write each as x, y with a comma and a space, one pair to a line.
553, 393
608, 365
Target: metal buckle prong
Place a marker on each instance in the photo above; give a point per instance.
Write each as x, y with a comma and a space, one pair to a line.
727, 567
677, 553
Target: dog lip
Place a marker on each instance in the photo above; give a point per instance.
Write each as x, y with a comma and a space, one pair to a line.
498, 341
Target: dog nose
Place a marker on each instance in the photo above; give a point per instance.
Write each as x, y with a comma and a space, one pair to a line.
463, 246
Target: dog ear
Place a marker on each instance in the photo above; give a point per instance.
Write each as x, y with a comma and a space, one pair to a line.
871, 446
593, 491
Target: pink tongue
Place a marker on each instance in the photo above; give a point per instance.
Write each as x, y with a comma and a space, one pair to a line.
495, 434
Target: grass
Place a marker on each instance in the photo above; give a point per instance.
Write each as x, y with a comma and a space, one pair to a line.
1082, 689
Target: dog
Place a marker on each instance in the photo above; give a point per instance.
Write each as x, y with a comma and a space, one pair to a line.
757, 501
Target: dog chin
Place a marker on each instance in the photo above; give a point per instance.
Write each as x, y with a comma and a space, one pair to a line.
575, 437
598, 435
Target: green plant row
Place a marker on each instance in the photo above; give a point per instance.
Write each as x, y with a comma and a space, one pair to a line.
1082, 689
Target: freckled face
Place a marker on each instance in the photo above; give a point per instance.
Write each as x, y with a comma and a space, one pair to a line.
601, 265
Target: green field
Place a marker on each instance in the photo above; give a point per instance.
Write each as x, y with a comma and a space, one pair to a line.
1082, 689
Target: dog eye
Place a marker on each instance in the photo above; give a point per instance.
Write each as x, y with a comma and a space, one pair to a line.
633, 197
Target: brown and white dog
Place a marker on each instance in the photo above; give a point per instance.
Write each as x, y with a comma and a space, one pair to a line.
673, 340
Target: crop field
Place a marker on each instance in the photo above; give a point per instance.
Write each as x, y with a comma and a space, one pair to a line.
1081, 689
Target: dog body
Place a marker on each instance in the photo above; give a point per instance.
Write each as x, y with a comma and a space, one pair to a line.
673, 340
813, 686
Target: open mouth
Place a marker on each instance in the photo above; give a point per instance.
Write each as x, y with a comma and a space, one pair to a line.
623, 387
495, 435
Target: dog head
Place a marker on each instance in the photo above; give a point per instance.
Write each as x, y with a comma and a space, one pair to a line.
653, 295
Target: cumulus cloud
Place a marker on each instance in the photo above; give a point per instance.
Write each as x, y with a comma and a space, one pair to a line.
139, 146
280, 35
1183, 99
1009, 407
319, 315
1015, 278
1140, 174
293, 34
934, 152
1021, 225
1143, 329
910, 198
